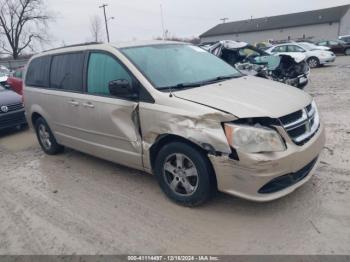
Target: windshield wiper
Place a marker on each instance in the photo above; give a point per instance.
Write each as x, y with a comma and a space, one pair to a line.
201, 83
181, 86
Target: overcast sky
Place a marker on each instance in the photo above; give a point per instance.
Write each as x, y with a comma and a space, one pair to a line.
141, 19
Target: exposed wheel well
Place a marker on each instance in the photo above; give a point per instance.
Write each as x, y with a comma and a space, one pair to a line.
35, 116
166, 139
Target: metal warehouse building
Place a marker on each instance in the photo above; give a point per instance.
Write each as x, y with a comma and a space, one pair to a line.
316, 25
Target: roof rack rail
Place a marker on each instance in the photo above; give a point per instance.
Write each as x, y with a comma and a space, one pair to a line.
75, 45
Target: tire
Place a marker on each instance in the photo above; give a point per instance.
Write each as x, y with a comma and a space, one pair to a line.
46, 139
347, 51
313, 62
185, 174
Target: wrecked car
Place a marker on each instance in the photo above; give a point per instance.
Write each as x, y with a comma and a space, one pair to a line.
176, 111
290, 69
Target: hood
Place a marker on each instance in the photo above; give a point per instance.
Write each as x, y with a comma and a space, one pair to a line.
8, 97
249, 96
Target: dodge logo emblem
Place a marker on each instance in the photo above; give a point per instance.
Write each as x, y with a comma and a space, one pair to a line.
4, 109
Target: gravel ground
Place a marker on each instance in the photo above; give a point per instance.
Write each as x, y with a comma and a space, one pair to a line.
76, 204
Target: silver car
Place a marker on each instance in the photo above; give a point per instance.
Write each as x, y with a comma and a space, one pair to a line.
178, 112
314, 56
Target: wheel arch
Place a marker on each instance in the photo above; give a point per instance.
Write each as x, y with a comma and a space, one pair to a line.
165, 139
35, 116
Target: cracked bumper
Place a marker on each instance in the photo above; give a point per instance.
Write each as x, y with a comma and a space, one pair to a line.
244, 178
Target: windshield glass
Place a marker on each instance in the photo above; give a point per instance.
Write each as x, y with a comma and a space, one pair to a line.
175, 65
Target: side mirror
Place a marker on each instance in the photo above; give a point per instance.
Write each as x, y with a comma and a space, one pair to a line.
122, 88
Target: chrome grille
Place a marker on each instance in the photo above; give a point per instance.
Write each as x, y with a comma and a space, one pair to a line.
302, 125
13, 107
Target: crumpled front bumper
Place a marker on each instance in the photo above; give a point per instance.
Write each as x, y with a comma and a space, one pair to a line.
246, 176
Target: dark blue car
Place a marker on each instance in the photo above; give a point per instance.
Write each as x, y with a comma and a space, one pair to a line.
11, 109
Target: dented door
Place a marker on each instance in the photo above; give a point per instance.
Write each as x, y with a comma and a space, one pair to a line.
109, 128
108, 124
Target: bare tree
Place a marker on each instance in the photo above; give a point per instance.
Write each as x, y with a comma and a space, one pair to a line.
96, 28
23, 24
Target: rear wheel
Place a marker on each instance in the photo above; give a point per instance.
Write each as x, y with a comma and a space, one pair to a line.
46, 139
184, 174
313, 62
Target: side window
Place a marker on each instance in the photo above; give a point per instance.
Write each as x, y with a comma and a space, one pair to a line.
38, 72
102, 70
67, 72
280, 49
295, 48
324, 43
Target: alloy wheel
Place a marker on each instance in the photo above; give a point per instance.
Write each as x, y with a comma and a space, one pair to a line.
44, 136
313, 63
180, 174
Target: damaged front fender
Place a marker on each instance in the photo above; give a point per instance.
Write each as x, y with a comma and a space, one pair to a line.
203, 129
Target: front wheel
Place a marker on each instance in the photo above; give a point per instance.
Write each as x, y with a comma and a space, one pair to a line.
313, 62
46, 138
184, 174
347, 51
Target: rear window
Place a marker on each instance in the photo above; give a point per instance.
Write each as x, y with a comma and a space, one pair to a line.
67, 72
38, 72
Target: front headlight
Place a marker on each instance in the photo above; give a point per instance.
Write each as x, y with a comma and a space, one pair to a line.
252, 139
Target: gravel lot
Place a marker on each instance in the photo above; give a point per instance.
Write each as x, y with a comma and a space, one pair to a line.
76, 204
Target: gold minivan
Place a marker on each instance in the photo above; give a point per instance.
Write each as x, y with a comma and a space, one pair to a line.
179, 112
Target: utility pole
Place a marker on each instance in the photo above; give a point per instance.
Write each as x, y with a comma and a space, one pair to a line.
224, 20
106, 21
162, 20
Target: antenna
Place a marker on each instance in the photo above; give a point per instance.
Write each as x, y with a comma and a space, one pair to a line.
224, 20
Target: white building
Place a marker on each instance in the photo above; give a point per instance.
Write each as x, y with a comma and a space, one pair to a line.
320, 24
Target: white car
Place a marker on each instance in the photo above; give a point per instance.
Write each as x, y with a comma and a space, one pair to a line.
314, 57
4, 73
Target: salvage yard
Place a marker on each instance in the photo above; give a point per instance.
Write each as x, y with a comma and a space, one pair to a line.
77, 204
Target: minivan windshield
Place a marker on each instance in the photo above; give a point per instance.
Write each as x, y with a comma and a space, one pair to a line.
179, 66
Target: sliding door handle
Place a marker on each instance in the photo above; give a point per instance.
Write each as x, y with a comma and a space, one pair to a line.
74, 103
89, 105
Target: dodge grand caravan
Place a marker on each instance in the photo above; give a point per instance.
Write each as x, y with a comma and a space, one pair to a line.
179, 112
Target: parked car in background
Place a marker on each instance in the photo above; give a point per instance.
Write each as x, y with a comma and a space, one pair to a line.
314, 57
345, 38
4, 73
175, 110
11, 109
3, 79
336, 46
290, 69
15, 82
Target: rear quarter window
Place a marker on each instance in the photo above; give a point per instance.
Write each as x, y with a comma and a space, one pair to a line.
38, 72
